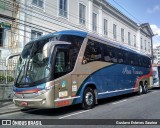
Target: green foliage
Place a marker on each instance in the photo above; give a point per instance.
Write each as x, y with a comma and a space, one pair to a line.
10, 79
3, 78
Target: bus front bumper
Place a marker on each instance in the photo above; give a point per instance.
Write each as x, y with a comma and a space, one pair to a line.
31, 103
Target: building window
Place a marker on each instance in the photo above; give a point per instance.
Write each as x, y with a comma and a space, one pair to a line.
35, 34
63, 8
38, 3
82, 14
94, 24
141, 43
114, 31
134, 41
105, 27
1, 36
129, 38
122, 34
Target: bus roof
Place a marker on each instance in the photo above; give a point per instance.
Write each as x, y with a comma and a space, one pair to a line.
85, 34
65, 32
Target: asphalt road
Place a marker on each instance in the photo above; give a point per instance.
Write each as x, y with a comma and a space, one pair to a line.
130, 106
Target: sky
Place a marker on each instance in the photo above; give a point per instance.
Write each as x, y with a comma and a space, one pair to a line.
142, 11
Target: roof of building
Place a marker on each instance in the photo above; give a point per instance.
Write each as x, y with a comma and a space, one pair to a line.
142, 26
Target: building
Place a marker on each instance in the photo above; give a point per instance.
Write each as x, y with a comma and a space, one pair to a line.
8, 12
156, 53
39, 17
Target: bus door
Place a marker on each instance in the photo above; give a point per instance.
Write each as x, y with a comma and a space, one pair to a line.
63, 79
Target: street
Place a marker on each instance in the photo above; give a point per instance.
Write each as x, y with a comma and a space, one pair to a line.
130, 106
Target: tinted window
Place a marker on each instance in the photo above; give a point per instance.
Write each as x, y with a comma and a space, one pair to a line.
121, 56
92, 52
132, 59
110, 54
66, 55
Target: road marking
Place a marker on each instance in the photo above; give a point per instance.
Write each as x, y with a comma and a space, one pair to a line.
119, 102
74, 114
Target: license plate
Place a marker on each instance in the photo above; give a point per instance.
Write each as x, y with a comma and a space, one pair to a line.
24, 103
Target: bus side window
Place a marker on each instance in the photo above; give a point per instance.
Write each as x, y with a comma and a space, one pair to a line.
126, 54
106, 53
149, 62
60, 62
131, 59
92, 52
140, 61
120, 56
112, 54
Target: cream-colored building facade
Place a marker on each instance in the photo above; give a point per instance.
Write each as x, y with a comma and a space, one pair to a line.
35, 18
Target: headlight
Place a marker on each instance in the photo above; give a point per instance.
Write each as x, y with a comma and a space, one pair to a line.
48, 87
41, 92
45, 90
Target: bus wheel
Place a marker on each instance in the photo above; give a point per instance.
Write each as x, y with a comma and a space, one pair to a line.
140, 90
145, 88
88, 98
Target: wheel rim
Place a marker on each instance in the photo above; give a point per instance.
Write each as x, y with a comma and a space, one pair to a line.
89, 98
146, 88
140, 89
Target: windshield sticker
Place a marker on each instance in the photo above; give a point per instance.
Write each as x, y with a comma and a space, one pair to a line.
63, 84
74, 88
74, 82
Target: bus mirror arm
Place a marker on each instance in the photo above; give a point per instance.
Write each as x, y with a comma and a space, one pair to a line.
10, 57
6, 62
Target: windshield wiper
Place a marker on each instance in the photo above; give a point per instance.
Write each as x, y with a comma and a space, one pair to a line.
19, 75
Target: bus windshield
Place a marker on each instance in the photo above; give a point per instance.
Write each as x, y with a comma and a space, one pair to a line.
34, 66
33, 63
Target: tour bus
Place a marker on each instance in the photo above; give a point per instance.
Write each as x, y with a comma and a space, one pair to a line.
74, 67
156, 75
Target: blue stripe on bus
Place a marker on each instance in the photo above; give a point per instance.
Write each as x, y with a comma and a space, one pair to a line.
39, 87
111, 78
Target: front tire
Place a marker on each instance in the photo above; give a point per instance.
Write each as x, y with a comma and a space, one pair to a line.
88, 98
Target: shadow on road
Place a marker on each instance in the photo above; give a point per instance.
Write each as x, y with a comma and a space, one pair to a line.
156, 88
75, 108
55, 111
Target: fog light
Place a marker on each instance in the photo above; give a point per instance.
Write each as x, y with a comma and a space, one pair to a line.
43, 101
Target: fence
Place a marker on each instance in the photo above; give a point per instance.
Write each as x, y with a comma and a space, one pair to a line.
7, 73
7, 76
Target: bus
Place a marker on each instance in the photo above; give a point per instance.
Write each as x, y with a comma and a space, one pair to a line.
156, 75
74, 67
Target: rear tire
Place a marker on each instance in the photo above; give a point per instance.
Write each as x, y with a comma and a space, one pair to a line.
145, 88
88, 98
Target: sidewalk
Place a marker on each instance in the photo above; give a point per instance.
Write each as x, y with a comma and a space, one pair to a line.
9, 107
